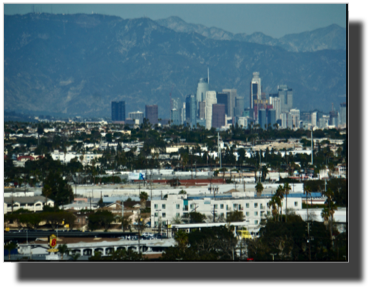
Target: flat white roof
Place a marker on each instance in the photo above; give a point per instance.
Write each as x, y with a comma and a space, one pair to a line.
204, 225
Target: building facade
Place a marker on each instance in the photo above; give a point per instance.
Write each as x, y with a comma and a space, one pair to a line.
137, 116
218, 115
255, 88
118, 111
151, 114
210, 100
286, 96
231, 101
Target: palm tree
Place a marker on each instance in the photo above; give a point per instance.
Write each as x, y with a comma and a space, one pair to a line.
273, 205
10, 246
62, 249
331, 207
280, 195
286, 191
259, 188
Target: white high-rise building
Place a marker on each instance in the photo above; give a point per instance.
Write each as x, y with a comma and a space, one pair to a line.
276, 102
314, 119
296, 117
255, 88
201, 90
210, 100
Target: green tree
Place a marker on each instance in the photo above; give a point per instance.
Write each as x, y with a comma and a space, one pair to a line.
57, 189
100, 219
62, 249
10, 246
287, 188
259, 188
235, 216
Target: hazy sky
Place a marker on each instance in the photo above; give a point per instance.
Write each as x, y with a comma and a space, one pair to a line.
275, 20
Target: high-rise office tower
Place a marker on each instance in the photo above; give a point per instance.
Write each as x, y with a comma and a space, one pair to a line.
218, 115
191, 109
210, 100
342, 112
202, 89
137, 116
263, 118
118, 111
296, 117
255, 88
175, 116
272, 118
314, 119
286, 96
333, 121
231, 101
284, 120
239, 106
151, 113
223, 98
202, 110
242, 122
276, 102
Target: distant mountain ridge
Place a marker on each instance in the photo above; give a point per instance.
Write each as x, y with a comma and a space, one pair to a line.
77, 64
332, 37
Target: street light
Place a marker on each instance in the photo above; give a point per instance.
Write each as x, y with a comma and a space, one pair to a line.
273, 254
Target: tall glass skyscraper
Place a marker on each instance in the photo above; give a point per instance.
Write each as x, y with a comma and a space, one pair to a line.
202, 89
286, 97
118, 111
255, 88
262, 118
271, 118
191, 109
342, 113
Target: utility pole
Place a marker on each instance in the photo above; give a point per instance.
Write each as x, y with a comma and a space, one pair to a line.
308, 239
312, 146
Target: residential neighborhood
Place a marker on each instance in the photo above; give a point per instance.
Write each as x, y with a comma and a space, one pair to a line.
141, 185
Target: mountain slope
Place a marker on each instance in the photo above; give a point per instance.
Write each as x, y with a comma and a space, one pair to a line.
78, 64
332, 37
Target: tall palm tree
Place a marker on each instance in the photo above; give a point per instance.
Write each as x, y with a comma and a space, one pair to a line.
280, 195
286, 191
10, 246
331, 208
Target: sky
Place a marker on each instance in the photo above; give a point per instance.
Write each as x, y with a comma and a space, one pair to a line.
275, 20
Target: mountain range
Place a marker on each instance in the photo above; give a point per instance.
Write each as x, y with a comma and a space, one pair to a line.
77, 64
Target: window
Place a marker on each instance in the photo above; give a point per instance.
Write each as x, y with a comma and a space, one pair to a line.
163, 206
256, 222
156, 214
268, 212
235, 206
177, 214
255, 205
256, 213
296, 204
221, 206
192, 206
177, 206
163, 214
247, 205
155, 206
215, 206
268, 205
247, 213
